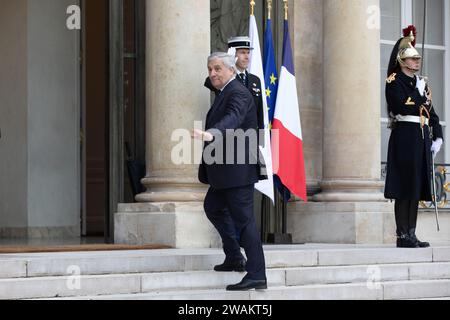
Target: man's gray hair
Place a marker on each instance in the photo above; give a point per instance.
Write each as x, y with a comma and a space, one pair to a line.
228, 60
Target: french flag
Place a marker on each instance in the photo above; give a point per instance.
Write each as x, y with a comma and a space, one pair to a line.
287, 139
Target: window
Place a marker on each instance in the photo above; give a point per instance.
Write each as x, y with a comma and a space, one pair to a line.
396, 15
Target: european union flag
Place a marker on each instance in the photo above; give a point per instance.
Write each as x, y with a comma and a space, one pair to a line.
271, 79
271, 74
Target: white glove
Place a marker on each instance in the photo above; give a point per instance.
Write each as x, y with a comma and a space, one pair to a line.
436, 146
420, 85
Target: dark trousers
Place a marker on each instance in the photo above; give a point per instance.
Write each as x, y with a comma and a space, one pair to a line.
406, 215
230, 210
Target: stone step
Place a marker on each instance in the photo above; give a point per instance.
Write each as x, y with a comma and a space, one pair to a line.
300, 276
13, 268
370, 273
131, 262
47, 287
433, 299
415, 289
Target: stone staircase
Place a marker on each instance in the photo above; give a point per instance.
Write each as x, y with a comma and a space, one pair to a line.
309, 272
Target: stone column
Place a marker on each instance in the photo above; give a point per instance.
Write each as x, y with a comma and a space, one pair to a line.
352, 134
351, 207
306, 22
178, 44
171, 211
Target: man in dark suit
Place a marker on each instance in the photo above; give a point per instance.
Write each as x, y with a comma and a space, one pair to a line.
229, 202
241, 48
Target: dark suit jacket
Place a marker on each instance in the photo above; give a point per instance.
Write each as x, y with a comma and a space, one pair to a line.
254, 87
233, 109
253, 84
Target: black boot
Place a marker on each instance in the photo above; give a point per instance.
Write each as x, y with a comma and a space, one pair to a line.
413, 237
402, 208
405, 241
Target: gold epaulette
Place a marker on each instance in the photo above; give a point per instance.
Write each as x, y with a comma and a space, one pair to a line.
391, 78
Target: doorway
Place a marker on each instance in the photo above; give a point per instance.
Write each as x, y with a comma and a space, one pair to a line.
95, 138
113, 117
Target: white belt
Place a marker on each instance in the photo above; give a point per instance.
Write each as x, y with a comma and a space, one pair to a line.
413, 119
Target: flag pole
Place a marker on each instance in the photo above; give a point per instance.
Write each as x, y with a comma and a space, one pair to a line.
281, 235
286, 9
424, 35
287, 238
266, 203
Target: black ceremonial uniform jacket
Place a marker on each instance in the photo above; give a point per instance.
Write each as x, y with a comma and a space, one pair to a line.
409, 152
253, 84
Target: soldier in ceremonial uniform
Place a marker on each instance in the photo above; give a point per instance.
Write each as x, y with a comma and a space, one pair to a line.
416, 136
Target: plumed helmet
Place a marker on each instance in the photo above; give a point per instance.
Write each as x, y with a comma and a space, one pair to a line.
407, 45
404, 49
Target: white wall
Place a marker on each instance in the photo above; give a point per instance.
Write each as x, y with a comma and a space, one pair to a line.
13, 113
39, 118
53, 112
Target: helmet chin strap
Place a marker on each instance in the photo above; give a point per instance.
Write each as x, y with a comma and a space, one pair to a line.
404, 65
413, 70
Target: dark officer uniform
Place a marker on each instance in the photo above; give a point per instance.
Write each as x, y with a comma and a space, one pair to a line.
229, 202
253, 84
409, 156
414, 125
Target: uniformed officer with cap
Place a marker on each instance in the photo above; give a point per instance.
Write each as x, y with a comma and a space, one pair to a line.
416, 136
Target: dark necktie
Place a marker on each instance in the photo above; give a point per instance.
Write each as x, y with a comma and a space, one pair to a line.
243, 80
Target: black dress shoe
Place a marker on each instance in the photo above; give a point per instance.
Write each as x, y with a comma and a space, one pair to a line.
413, 237
248, 284
418, 243
423, 244
230, 266
404, 241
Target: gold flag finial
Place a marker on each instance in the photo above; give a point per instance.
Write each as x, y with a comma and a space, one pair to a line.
269, 8
286, 9
252, 6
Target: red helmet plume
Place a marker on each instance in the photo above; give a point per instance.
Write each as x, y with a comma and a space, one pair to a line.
407, 32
